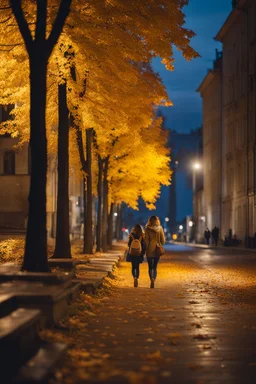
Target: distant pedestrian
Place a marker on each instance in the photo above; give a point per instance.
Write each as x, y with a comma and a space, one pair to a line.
137, 248
154, 238
207, 235
215, 235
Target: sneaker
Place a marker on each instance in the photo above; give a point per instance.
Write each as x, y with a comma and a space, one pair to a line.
135, 282
152, 283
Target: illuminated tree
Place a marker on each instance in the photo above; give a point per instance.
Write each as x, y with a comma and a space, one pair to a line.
39, 47
112, 43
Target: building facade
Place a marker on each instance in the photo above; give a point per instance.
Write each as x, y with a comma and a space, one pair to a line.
15, 183
210, 90
229, 126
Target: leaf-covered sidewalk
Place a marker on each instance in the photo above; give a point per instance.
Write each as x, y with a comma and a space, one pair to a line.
186, 330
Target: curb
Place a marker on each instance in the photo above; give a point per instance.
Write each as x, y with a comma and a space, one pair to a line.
203, 246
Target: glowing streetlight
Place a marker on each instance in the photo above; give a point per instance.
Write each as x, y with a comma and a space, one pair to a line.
167, 219
115, 214
181, 227
190, 224
197, 166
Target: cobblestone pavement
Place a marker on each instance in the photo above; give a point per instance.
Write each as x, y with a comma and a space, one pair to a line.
198, 325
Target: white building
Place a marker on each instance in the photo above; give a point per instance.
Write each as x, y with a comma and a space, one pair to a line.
229, 103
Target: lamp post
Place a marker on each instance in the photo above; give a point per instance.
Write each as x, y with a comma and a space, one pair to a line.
166, 223
196, 167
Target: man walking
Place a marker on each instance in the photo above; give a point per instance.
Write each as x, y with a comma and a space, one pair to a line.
215, 235
207, 235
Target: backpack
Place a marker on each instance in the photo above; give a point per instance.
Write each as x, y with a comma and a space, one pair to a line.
135, 247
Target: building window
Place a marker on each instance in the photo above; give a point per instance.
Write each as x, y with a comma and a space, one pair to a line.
9, 163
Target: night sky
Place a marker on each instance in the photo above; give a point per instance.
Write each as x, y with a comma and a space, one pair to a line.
205, 18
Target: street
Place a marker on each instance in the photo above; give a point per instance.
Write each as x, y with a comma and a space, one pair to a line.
197, 325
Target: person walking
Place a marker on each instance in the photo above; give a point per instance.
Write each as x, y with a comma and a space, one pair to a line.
154, 236
207, 235
136, 252
215, 235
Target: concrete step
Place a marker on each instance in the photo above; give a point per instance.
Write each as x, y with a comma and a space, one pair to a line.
65, 263
42, 365
19, 339
104, 259
107, 263
8, 274
93, 268
52, 300
8, 303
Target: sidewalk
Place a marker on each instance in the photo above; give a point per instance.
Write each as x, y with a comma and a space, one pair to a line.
204, 246
183, 331
33, 301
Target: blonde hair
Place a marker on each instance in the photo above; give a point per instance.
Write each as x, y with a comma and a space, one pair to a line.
153, 221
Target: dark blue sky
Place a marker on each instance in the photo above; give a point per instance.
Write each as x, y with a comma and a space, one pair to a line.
204, 17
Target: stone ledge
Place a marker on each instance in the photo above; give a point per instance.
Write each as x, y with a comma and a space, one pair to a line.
19, 339
65, 263
40, 367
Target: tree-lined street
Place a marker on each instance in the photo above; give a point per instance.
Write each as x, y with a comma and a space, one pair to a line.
196, 326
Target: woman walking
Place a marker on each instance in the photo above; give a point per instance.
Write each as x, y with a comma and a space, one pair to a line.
136, 251
154, 236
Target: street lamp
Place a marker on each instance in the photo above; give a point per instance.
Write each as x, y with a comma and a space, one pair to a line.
197, 166
181, 227
167, 219
115, 214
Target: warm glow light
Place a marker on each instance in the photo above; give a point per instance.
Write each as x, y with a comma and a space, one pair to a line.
190, 224
115, 214
174, 236
167, 219
196, 165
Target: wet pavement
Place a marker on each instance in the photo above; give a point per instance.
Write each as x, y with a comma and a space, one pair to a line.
198, 325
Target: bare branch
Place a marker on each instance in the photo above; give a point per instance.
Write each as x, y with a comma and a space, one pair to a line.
6, 20
41, 16
22, 23
58, 25
11, 45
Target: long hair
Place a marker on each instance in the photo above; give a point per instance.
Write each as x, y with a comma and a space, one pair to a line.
137, 229
153, 221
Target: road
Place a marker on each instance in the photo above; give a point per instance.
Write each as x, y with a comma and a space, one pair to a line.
198, 325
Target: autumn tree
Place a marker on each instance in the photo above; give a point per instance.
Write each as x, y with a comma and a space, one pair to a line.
110, 40
39, 47
145, 168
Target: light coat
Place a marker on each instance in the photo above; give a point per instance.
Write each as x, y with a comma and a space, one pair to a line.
153, 236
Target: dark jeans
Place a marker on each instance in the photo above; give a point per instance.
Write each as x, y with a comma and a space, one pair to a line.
152, 267
215, 241
136, 268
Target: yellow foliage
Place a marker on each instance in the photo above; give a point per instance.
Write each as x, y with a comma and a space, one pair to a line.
11, 250
110, 44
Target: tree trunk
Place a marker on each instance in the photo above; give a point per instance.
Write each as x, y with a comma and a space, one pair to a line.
110, 226
118, 223
88, 238
39, 50
105, 206
99, 210
62, 247
35, 258
85, 207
